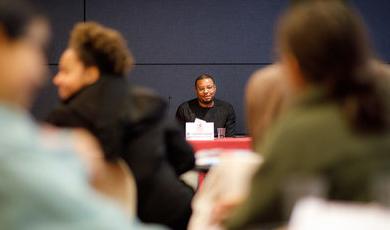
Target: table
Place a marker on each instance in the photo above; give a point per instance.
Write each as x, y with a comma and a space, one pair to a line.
223, 143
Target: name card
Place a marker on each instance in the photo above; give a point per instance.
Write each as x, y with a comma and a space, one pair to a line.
200, 130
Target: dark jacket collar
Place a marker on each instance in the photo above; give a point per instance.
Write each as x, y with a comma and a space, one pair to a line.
112, 98
101, 101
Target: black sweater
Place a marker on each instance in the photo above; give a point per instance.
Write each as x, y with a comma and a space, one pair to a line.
222, 114
131, 123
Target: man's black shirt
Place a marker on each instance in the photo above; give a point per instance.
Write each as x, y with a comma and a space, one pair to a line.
222, 114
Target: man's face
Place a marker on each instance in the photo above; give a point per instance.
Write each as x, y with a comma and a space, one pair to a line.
205, 90
23, 65
70, 78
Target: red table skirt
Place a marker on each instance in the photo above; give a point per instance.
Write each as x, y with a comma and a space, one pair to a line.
223, 143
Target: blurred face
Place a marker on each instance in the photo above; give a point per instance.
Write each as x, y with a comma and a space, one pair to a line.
205, 91
23, 65
73, 75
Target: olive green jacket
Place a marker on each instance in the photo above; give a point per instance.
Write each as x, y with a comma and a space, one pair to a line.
313, 139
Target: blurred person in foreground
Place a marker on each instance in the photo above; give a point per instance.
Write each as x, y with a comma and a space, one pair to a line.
130, 122
267, 96
338, 129
44, 173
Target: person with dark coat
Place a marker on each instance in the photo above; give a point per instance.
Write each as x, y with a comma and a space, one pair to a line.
130, 122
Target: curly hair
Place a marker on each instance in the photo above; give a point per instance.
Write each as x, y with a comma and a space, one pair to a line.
97, 45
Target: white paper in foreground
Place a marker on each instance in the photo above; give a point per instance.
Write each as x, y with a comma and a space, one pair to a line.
313, 213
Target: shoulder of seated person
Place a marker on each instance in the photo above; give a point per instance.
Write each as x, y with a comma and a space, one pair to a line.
144, 103
186, 104
219, 102
304, 120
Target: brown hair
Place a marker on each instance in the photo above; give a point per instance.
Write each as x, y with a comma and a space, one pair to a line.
102, 47
331, 46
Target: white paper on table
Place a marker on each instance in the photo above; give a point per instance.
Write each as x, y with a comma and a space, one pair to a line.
199, 121
200, 130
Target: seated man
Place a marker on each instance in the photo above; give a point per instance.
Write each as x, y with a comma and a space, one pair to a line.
207, 107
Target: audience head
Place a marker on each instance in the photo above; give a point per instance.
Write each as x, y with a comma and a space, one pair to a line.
23, 36
93, 51
324, 43
205, 88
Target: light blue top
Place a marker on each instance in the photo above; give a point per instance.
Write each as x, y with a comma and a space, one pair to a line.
42, 189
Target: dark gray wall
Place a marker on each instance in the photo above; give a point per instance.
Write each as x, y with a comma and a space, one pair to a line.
174, 41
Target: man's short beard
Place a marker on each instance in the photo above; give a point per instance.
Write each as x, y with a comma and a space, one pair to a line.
206, 102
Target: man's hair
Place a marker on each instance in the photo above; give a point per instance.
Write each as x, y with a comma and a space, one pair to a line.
103, 47
204, 76
16, 16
